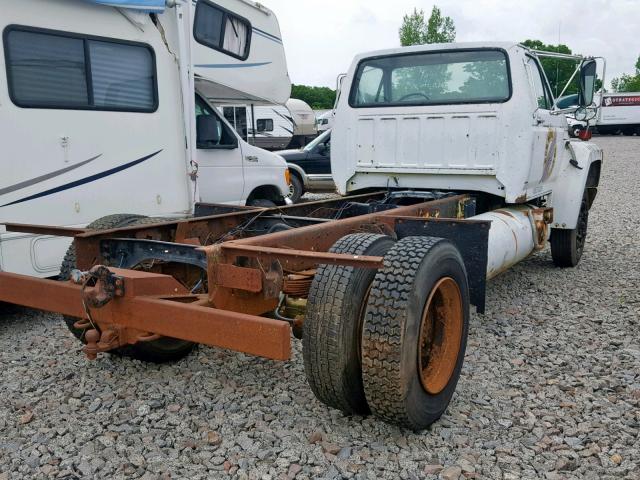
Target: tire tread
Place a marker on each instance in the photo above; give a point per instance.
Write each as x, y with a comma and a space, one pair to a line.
323, 347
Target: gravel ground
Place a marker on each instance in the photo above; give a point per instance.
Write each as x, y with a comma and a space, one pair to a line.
550, 388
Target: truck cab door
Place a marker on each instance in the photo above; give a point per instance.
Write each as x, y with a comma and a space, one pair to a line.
219, 156
549, 132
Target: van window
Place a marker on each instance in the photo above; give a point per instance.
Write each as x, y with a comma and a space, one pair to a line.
432, 78
217, 28
226, 139
59, 70
264, 125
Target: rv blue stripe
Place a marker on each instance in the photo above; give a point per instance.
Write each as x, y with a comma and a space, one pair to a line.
44, 178
231, 65
267, 35
84, 181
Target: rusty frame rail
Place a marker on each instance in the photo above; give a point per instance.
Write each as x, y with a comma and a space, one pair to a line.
146, 308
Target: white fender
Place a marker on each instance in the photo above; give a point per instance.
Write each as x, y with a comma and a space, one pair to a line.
566, 195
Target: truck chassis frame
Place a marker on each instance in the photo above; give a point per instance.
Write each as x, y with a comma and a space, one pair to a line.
147, 305
238, 277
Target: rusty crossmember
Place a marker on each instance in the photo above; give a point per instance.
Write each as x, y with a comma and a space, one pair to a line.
305, 247
147, 308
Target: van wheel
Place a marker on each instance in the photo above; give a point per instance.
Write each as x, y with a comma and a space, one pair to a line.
261, 202
296, 189
158, 351
567, 245
333, 325
415, 332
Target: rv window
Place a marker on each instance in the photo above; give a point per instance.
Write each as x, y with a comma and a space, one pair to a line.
66, 71
432, 78
264, 125
221, 30
46, 69
229, 114
122, 75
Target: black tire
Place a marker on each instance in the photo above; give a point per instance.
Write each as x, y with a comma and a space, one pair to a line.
296, 188
333, 325
628, 132
410, 284
261, 202
567, 246
8, 309
159, 351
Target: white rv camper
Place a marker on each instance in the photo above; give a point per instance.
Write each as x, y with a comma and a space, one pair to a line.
273, 127
97, 113
325, 120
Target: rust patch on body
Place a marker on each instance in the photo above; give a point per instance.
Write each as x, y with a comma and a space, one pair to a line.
550, 154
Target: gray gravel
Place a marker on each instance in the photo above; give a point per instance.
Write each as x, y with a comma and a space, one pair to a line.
550, 388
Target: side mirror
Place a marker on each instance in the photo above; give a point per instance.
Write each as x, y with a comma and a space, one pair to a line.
322, 149
587, 82
207, 131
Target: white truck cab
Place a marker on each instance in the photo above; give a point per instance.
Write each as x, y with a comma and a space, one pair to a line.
462, 116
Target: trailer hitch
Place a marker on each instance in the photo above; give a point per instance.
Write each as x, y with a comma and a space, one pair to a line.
99, 286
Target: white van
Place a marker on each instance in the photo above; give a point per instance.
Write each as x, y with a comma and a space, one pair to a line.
97, 114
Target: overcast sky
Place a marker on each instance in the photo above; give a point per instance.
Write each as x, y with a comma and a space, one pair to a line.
322, 36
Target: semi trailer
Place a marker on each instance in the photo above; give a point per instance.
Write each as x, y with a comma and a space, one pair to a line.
615, 113
454, 164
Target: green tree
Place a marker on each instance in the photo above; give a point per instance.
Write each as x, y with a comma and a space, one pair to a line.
627, 82
558, 70
416, 31
319, 98
413, 26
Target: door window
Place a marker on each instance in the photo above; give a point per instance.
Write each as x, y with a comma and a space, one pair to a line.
226, 139
541, 92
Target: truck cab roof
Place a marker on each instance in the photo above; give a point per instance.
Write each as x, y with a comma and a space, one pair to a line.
439, 46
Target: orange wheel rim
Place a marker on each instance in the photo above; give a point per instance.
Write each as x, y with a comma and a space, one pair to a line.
440, 335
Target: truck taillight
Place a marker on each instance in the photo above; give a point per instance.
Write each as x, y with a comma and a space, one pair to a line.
585, 134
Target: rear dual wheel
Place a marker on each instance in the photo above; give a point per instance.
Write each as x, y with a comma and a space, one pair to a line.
407, 334
158, 351
333, 325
